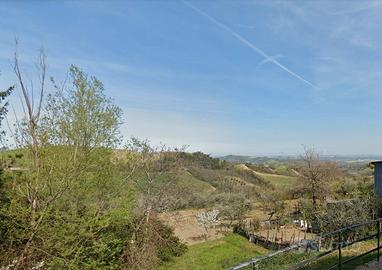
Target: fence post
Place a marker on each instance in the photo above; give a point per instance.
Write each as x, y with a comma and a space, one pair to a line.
339, 252
255, 266
378, 238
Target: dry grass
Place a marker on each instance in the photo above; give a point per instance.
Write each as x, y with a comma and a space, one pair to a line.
186, 227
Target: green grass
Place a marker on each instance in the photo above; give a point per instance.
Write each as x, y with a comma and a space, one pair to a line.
347, 253
279, 180
234, 249
286, 260
217, 254
187, 180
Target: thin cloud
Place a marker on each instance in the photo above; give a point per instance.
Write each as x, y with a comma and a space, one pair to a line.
245, 26
248, 43
357, 9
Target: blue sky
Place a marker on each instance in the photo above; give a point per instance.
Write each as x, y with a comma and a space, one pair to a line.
240, 77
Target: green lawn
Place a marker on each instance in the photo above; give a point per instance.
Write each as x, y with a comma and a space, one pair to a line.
217, 254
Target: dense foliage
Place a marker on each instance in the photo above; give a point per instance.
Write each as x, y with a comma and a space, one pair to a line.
65, 202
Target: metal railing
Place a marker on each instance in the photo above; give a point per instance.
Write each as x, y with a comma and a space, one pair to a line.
326, 244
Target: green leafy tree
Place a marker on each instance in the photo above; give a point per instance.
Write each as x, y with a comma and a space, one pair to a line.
81, 115
4, 106
70, 207
4, 221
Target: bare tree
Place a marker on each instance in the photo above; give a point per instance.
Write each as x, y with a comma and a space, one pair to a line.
147, 168
31, 139
31, 109
315, 175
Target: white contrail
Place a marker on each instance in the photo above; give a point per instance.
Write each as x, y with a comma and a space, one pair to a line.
273, 57
248, 43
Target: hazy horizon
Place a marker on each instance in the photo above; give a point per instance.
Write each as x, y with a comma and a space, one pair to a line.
292, 155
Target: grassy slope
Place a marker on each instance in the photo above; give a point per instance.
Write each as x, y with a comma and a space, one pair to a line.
217, 254
187, 180
279, 180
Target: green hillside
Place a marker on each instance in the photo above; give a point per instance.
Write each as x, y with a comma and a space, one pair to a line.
279, 180
185, 179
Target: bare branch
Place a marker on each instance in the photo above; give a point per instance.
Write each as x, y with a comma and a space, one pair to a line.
22, 85
42, 65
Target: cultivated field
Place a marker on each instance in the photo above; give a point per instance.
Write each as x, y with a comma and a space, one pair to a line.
186, 227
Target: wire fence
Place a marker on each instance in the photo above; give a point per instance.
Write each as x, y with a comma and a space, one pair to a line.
325, 250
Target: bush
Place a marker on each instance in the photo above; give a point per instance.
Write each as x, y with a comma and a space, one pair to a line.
345, 213
154, 243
